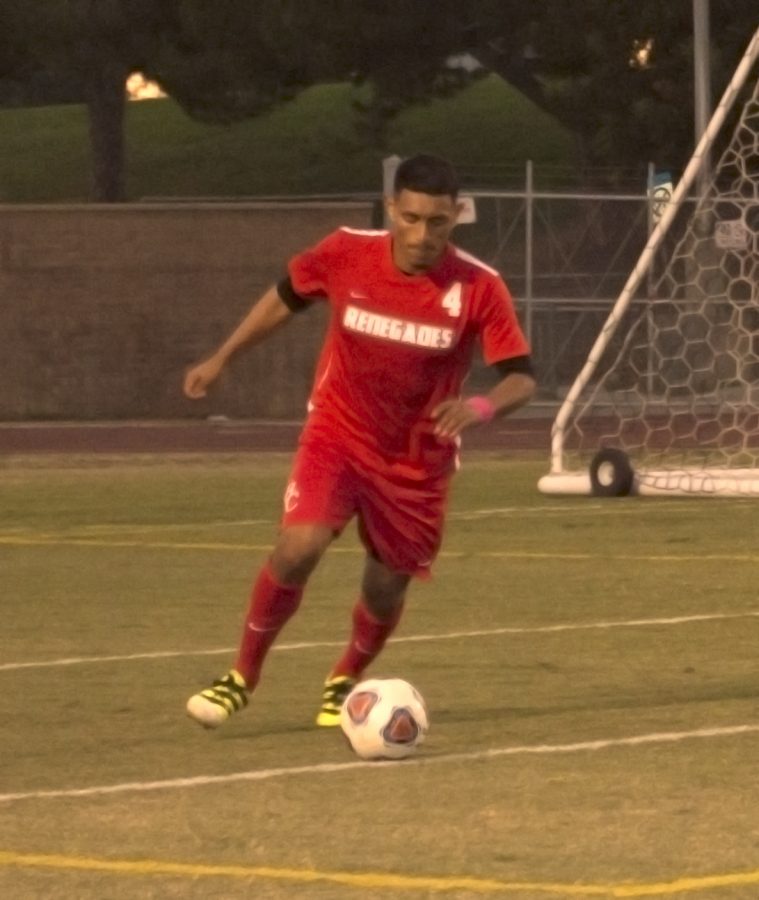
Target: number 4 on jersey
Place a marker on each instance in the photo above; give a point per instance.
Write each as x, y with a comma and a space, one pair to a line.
452, 299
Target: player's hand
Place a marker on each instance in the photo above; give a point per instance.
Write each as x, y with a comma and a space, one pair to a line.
198, 378
452, 417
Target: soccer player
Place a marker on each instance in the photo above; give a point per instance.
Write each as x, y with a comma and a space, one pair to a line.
381, 439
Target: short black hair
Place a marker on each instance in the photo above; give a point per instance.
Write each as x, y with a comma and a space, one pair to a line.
426, 174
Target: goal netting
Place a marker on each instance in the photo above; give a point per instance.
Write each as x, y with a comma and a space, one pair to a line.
668, 400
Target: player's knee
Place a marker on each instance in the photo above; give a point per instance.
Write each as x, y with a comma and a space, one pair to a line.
384, 606
297, 554
384, 590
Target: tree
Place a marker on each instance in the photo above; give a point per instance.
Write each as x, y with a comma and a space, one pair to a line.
576, 59
233, 58
219, 61
223, 61
241, 58
91, 45
399, 49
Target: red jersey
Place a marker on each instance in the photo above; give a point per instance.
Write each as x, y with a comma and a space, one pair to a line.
398, 344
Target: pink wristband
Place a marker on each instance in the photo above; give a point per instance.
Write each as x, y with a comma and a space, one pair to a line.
482, 406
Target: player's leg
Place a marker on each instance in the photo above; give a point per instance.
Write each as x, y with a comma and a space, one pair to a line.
275, 597
375, 616
277, 593
400, 524
316, 506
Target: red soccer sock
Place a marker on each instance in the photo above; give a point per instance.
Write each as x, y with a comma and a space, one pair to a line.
367, 639
271, 605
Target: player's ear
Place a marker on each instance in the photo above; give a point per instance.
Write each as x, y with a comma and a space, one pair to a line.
390, 208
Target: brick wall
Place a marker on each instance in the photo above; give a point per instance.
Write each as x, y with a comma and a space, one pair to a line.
103, 307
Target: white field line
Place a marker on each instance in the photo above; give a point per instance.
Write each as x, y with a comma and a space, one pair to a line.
409, 639
220, 547
662, 737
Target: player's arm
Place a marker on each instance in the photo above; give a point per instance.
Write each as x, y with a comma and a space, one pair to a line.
271, 311
515, 389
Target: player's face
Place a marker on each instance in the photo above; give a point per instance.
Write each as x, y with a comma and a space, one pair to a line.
421, 226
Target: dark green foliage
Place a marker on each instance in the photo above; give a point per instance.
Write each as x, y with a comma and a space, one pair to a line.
228, 60
575, 60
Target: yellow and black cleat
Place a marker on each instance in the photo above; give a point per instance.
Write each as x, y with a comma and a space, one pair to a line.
213, 706
336, 689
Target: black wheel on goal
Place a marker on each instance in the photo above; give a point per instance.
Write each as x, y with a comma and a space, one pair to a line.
611, 474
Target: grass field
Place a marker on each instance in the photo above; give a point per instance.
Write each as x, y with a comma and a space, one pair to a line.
308, 146
590, 668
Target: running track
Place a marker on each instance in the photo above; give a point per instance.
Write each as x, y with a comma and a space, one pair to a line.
226, 436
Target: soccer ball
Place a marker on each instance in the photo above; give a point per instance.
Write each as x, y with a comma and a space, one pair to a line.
384, 718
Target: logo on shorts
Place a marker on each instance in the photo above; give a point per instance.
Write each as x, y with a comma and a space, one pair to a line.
292, 495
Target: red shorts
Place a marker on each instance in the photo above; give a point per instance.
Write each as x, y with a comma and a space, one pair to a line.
400, 519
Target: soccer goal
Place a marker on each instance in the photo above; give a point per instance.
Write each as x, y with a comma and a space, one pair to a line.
667, 402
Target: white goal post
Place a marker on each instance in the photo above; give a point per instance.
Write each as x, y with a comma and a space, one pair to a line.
668, 399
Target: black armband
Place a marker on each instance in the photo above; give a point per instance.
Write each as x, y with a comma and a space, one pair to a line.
517, 364
290, 298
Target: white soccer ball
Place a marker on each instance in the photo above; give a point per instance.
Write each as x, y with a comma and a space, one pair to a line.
384, 718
